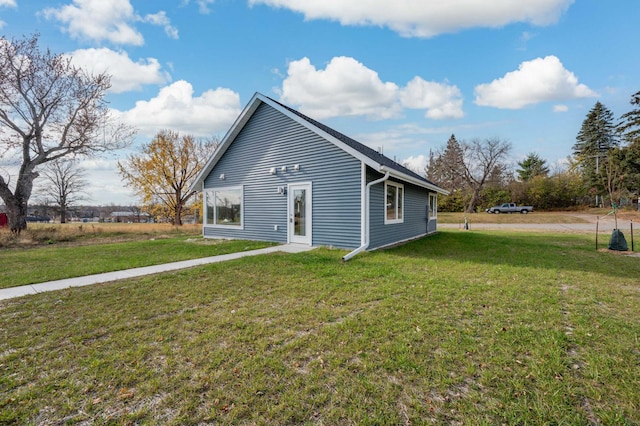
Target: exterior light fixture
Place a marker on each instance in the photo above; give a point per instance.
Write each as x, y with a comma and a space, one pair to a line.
272, 171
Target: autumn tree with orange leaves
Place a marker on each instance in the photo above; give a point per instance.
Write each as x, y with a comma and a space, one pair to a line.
166, 169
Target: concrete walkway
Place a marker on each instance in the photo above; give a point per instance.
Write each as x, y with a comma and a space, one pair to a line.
24, 290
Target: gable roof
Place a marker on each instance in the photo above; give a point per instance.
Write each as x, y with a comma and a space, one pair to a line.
370, 157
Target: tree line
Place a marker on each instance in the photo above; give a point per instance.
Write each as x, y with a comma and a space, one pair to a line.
53, 113
603, 170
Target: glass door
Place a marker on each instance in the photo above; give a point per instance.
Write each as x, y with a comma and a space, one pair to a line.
300, 213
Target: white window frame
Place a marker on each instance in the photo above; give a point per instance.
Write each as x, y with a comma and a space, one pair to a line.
210, 192
433, 202
387, 221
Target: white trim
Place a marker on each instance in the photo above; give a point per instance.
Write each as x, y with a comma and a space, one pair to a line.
363, 204
365, 244
308, 240
220, 225
231, 134
434, 214
411, 179
399, 210
251, 107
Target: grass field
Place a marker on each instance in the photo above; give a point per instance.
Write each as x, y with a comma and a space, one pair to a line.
39, 234
457, 328
54, 262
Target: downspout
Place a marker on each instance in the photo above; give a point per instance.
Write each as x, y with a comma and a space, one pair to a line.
365, 243
204, 208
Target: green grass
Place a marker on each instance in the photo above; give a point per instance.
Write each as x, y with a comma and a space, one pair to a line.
35, 265
456, 328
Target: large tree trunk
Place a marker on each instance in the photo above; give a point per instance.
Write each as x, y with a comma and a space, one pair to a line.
177, 220
475, 196
17, 215
16, 202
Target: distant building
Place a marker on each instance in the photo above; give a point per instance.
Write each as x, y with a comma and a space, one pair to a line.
130, 217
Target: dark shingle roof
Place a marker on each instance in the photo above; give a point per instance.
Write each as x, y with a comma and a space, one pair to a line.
361, 148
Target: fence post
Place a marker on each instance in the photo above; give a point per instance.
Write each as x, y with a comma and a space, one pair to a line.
597, 223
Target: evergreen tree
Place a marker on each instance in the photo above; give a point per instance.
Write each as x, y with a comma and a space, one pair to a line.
596, 137
629, 126
629, 129
447, 168
531, 167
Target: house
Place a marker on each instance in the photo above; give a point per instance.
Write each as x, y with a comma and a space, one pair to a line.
281, 176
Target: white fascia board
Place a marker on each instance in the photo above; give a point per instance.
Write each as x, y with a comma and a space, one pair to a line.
228, 138
411, 179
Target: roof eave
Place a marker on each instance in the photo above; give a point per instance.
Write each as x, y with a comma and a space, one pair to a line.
231, 134
411, 179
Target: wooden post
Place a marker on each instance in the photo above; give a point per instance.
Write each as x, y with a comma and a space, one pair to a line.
597, 223
632, 249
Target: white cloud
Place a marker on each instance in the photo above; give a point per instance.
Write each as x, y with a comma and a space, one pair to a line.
99, 20
427, 18
346, 87
440, 100
104, 185
539, 80
126, 75
560, 108
416, 163
176, 108
203, 5
6, 3
111, 20
160, 19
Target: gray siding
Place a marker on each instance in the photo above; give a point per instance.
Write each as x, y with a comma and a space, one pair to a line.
416, 202
271, 139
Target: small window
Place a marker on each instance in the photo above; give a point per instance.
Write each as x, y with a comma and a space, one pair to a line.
394, 196
223, 207
433, 206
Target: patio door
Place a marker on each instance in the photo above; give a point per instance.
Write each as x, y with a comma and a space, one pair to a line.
299, 211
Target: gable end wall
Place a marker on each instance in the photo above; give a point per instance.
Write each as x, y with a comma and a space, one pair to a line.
271, 139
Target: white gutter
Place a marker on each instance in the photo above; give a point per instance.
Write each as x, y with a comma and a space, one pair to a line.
410, 179
365, 241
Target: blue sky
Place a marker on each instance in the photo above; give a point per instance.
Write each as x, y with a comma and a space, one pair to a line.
403, 75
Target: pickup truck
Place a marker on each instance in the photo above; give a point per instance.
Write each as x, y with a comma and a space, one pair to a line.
510, 208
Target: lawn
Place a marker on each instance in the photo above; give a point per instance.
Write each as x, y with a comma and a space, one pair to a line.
59, 261
456, 328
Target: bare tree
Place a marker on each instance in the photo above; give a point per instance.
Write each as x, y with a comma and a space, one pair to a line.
64, 183
483, 161
49, 109
469, 166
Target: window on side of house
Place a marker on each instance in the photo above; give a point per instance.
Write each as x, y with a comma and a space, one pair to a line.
394, 196
433, 206
224, 206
